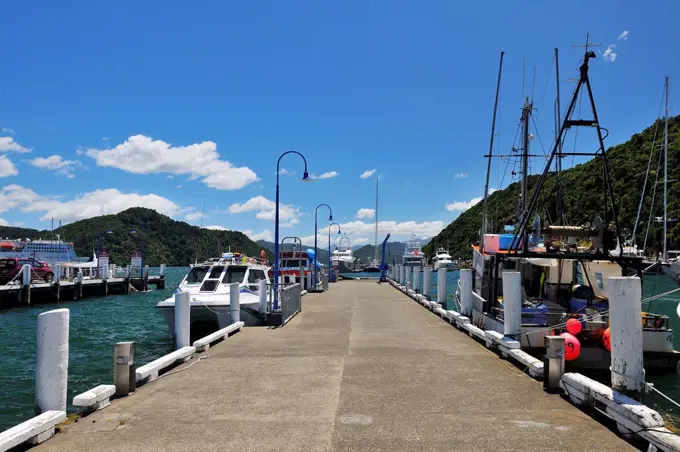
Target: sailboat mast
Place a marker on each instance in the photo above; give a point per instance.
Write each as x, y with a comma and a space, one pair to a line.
488, 165
558, 127
526, 111
665, 178
375, 243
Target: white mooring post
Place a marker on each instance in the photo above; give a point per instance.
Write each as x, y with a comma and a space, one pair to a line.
403, 275
628, 372
512, 304
162, 270
57, 273
416, 279
51, 360
262, 294
234, 303
182, 319
427, 282
409, 270
309, 281
466, 292
441, 287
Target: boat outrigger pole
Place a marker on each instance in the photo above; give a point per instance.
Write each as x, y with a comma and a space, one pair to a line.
521, 231
488, 167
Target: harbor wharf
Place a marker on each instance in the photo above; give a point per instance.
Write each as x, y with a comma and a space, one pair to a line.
362, 367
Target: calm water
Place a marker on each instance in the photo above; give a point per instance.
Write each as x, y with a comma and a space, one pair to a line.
98, 323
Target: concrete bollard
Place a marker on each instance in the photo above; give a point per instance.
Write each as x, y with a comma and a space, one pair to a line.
234, 303
162, 270
466, 292
309, 281
402, 275
512, 304
51, 361
182, 319
553, 363
427, 282
262, 294
409, 274
79, 285
416, 279
57, 273
627, 368
441, 287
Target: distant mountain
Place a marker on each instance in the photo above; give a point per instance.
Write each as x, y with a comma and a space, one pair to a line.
394, 251
288, 246
166, 241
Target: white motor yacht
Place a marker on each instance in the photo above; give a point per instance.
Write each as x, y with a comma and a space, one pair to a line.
208, 284
442, 259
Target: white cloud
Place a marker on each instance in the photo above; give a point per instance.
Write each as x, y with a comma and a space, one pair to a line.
216, 227
460, 176
623, 36
87, 205
56, 163
365, 213
368, 173
3, 222
143, 155
264, 235
265, 209
328, 175
7, 168
170, 176
285, 172
178, 186
359, 241
461, 206
609, 54
7, 130
397, 229
8, 144
193, 216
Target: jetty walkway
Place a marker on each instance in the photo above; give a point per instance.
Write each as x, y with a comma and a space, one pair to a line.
361, 368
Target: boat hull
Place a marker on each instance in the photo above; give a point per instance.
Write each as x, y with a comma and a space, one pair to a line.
343, 266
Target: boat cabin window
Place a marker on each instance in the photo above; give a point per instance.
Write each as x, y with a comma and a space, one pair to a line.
292, 263
255, 275
210, 285
196, 275
234, 274
216, 272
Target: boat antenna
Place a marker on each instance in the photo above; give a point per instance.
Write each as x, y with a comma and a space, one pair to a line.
202, 212
558, 111
665, 178
488, 166
583, 81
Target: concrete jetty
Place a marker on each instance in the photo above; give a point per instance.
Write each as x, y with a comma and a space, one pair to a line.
362, 367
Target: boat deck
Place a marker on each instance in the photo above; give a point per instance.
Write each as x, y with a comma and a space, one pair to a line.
362, 367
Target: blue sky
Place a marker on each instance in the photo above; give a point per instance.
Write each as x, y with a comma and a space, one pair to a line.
107, 105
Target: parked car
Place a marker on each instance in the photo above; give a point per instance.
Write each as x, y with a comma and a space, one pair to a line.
10, 267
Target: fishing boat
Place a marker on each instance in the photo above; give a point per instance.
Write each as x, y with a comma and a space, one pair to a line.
413, 254
564, 269
442, 259
342, 258
295, 267
208, 284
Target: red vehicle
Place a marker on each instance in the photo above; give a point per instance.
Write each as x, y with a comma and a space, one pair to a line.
10, 267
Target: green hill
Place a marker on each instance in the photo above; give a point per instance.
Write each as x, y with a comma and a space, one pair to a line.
584, 195
166, 241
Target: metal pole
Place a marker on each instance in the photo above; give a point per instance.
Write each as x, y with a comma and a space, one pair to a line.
665, 178
558, 122
316, 253
488, 166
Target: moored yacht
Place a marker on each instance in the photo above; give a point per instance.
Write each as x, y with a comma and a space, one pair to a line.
208, 284
413, 254
442, 259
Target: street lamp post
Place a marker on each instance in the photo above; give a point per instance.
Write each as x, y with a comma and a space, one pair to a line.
316, 252
329, 246
305, 177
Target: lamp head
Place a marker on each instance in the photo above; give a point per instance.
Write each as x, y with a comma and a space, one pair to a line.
330, 218
305, 177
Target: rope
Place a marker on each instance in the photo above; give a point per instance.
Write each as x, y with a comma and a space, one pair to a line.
651, 386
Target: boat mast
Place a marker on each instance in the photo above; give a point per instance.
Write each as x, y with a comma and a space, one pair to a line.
558, 124
488, 166
375, 243
665, 178
526, 111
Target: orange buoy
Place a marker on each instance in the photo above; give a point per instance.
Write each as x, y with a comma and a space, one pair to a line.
607, 339
573, 326
572, 347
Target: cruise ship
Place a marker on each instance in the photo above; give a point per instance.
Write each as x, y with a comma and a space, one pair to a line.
342, 257
50, 251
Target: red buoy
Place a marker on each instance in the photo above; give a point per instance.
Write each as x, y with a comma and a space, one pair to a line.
573, 326
607, 339
572, 347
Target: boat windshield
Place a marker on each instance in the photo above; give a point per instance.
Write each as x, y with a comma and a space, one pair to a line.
234, 273
216, 271
292, 263
196, 275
